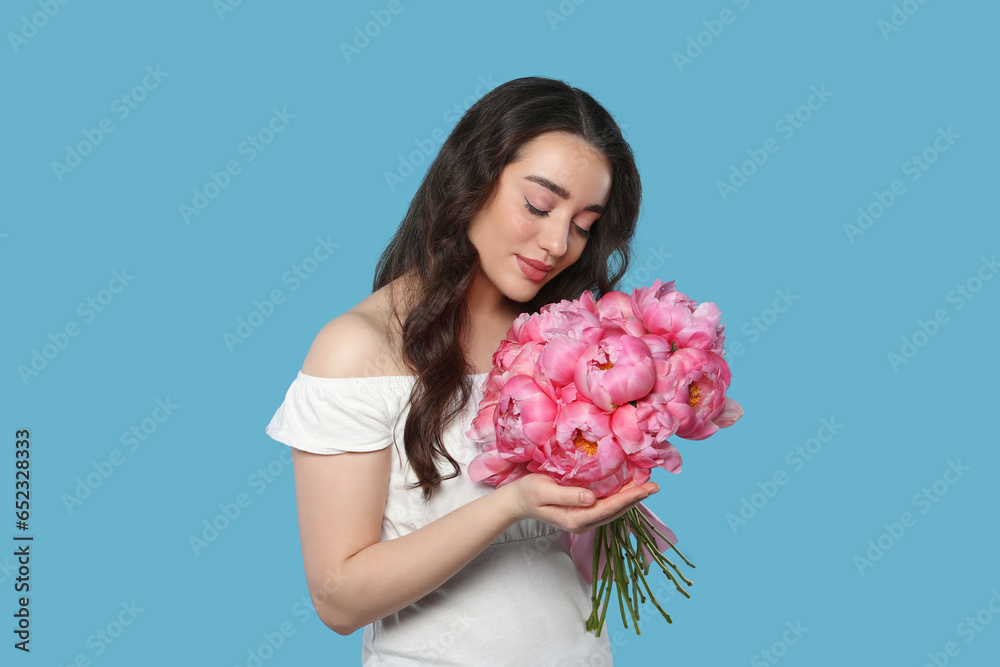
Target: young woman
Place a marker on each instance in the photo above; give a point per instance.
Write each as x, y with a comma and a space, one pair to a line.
532, 199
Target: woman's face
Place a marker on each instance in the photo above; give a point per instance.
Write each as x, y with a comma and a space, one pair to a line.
537, 221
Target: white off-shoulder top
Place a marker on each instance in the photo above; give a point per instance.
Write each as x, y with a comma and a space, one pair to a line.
520, 602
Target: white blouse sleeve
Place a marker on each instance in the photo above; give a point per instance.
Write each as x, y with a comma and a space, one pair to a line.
332, 416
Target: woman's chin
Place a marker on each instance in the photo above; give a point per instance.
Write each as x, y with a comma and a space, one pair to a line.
522, 294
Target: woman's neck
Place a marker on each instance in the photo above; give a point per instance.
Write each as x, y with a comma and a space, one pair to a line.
490, 315
488, 304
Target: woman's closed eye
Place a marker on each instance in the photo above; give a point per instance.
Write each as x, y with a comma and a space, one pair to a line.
585, 233
533, 210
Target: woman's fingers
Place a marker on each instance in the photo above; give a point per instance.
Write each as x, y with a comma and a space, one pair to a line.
607, 519
619, 503
581, 519
576, 509
550, 492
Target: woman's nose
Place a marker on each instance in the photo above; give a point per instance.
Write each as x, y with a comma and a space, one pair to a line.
553, 237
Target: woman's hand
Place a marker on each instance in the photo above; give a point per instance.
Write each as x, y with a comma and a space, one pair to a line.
571, 508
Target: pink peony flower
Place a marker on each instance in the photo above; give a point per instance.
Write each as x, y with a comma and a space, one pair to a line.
513, 359
483, 428
505, 354
525, 418
642, 449
615, 370
701, 379
573, 318
615, 306
491, 468
558, 358
651, 414
615, 311
658, 346
584, 451
685, 323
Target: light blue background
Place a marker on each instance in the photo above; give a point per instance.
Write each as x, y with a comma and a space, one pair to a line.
824, 357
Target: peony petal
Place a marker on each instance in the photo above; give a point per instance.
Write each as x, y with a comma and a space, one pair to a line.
729, 415
558, 358
489, 464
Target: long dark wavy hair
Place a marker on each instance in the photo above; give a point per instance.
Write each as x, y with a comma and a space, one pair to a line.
432, 244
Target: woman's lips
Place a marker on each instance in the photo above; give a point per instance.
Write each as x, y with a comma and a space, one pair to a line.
532, 272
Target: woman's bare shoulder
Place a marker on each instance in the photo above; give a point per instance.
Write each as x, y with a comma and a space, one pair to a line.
357, 343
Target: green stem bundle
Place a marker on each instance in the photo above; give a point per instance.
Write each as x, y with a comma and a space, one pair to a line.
626, 567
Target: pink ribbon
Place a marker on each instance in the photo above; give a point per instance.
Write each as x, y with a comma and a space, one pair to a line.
581, 547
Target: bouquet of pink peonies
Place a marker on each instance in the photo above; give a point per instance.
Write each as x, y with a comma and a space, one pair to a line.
588, 392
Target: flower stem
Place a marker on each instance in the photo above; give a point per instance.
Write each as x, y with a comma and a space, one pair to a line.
624, 579
626, 566
615, 555
592, 622
652, 598
641, 528
647, 523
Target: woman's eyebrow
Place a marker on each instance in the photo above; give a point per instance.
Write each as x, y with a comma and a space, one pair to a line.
560, 191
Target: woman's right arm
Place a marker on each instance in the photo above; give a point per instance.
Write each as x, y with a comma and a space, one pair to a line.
354, 578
